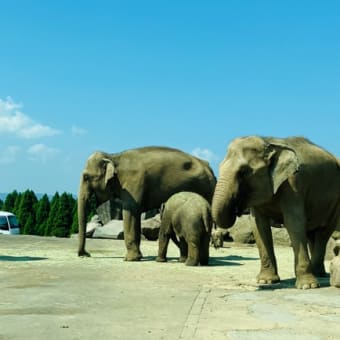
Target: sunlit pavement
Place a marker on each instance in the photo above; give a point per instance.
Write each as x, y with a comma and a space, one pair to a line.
47, 292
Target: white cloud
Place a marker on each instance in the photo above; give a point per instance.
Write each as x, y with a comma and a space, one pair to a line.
41, 152
8, 155
76, 131
205, 154
14, 121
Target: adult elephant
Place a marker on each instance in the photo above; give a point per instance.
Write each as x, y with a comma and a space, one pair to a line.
142, 179
291, 181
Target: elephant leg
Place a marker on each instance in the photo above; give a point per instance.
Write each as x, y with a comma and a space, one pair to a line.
311, 241
174, 239
321, 237
193, 253
263, 236
204, 249
183, 250
132, 235
294, 222
163, 242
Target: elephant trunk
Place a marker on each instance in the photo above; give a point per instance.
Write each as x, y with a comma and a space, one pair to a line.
224, 207
82, 219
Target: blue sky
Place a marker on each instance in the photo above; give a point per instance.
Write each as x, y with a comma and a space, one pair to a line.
76, 77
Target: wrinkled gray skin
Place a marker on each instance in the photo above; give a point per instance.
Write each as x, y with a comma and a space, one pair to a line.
334, 268
142, 179
290, 181
188, 216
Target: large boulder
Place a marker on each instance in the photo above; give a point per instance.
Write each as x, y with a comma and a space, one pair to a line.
241, 232
115, 229
93, 225
150, 227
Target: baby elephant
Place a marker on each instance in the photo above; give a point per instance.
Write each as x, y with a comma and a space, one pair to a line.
186, 215
335, 268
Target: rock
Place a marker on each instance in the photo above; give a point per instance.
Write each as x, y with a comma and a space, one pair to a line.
241, 231
329, 253
93, 225
115, 229
149, 214
280, 236
150, 227
334, 267
110, 210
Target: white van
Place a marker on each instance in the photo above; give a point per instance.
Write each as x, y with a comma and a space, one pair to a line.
9, 223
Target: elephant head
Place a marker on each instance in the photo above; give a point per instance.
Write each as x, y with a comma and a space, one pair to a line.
95, 178
250, 174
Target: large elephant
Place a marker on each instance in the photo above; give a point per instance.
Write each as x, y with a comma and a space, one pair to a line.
142, 179
291, 181
186, 215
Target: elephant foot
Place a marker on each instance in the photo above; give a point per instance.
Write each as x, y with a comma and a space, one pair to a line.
83, 253
182, 259
133, 256
161, 259
204, 262
307, 281
267, 277
191, 262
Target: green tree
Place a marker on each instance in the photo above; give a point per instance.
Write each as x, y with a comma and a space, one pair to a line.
91, 207
17, 203
26, 213
42, 213
1, 204
9, 203
64, 216
50, 225
74, 227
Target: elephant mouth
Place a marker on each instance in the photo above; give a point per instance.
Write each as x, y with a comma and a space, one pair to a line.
238, 207
238, 211
240, 203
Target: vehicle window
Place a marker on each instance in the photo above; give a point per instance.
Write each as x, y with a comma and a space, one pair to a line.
13, 222
3, 223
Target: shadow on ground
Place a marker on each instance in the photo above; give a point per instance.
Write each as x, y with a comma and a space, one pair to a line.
21, 258
290, 283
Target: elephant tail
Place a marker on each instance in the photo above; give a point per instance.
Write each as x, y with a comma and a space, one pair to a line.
207, 220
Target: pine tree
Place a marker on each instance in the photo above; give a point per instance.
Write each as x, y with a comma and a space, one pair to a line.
74, 228
50, 225
17, 203
9, 203
26, 213
1, 204
91, 207
42, 213
64, 216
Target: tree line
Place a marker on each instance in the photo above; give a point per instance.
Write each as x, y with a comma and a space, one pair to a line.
45, 217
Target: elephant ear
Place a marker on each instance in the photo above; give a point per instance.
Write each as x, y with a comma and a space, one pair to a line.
283, 164
109, 171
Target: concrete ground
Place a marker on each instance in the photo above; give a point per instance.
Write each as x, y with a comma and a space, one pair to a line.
47, 292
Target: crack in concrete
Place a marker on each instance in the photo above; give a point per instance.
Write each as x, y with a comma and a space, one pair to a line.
191, 323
